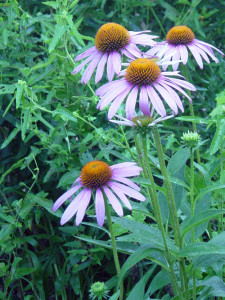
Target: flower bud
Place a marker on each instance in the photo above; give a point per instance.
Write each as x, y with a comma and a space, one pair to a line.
190, 139
98, 291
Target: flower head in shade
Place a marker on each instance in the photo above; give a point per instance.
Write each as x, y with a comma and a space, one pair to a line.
141, 120
144, 78
111, 41
179, 40
99, 179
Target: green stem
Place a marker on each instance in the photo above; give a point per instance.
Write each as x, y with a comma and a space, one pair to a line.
221, 171
185, 71
192, 214
115, 254
157, 20
172, 207
152, 194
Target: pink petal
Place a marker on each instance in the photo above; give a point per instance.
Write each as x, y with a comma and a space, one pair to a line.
83, 206
143, 101
127, 54
121, 196
73, 207
174, 94
130, 48
113, 201
175, 58
80, 66
210, 46
156, 101
99, 207
112, 94
202, 53
126, 181
128, 171
100, 68
90, 69
183, 54
65, 196
102, 90
175, 86
210, 53
123, 165
117, 102
116, 62
110, 69
196, 55
167, 97
88, 52
131, 102
128, 191
183, 83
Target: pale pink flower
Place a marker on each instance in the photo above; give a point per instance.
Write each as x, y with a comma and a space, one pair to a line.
111, 41
144, 75
141, 120
101, 180
179, 40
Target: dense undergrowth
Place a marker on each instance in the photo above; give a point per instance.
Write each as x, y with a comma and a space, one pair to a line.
50, 128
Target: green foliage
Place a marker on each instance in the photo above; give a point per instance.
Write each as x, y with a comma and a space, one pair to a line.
50, 128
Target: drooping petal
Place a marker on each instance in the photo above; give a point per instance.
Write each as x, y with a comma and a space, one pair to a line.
183, 83
210, 53
90, 69
110, 69
127, 54
126, 181
175, 86
102, 90
65, 196
143, 101
100, 68
167, 97
99, 207
112, 94
156, 101
123, 165
116, 62
80, 66
176, 58
202, 53
130, 48
174, 94
183, 54
72, 207
117, 102
210, 46
113, 201
196, 55
120, 195
128, 171
88, 52
129, 191
131, 102
143, 39
83, 206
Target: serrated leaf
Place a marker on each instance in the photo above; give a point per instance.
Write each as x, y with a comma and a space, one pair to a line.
59, 32
19, 92
218, 137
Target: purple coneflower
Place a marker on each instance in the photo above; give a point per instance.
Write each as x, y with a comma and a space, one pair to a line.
178, 40
141, 120
111, 181
144, 75
111, 41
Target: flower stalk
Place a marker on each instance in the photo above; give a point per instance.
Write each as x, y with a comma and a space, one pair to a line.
113, 240
172, 208
144, 162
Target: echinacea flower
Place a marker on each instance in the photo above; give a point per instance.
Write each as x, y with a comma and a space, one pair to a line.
111, 41
144, 75
105, 181
178, 40
140, 120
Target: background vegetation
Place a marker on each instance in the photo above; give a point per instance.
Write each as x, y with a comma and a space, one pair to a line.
50, 128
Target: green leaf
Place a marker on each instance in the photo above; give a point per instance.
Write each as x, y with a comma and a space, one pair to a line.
7, 88
142, 253
139, 290
25, 124
209, 189
193, 120
217, 286
19, 93
218, 137
10, 137
161, 279
198, 249
59, 32
52, 4
200, 218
